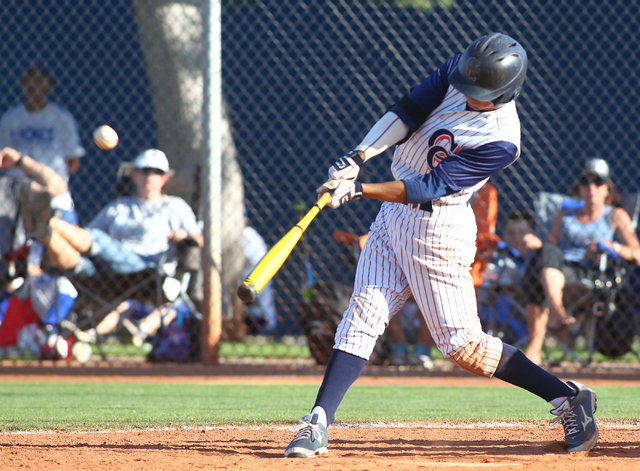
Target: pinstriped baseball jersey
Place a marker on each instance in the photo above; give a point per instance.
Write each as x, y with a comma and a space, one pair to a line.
451, 129
428, 253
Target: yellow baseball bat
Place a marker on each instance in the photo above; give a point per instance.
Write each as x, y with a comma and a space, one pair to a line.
274, 258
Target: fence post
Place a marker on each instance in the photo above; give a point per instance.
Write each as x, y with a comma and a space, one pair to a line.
212, 184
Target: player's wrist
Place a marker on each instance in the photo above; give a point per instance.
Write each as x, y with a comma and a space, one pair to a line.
20, 160
357, 194
357, 156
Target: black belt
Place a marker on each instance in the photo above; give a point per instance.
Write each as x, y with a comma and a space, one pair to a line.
428, 206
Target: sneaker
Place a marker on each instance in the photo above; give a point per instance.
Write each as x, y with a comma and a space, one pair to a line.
137, 335
311, 440
576, 414
36, 211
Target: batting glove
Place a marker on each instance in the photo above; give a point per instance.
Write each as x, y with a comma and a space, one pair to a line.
341, 191
348, 167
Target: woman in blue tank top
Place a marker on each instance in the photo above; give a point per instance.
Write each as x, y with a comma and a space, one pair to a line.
574, 245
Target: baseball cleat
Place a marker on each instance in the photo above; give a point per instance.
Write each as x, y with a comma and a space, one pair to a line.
311, 440
576, 414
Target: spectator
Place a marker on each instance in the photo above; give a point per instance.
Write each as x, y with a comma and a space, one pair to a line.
261, 318
130, 234
29, 196
46, 132
500, 291
513, 251
576, 239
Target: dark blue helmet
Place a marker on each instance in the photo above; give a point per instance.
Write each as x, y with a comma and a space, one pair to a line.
492, 68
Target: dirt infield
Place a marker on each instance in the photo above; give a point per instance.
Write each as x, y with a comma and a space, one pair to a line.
424, 446
379, 447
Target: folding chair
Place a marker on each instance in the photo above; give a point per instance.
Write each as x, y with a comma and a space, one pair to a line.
605, 312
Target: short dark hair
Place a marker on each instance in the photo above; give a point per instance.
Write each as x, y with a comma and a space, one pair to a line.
519, 215
37, 67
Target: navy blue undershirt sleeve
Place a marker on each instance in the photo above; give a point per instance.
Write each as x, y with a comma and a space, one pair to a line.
461, 171
429, 94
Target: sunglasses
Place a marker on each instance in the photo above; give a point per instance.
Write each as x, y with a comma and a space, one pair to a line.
587, 180
150, 170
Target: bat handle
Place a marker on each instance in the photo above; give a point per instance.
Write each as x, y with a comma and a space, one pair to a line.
323, 200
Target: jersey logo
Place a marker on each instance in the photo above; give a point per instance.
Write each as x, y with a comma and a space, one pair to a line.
442, 144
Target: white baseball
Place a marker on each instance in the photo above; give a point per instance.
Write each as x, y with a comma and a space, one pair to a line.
105, 137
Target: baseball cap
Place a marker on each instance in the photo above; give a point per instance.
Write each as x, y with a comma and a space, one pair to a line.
152, 158
595, 166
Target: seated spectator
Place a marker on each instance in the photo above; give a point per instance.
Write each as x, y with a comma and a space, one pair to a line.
511, 253
577, 238
130, 234
500, 290
25, 201
29, 195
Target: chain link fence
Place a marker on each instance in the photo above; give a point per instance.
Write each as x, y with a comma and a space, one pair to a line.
303, 81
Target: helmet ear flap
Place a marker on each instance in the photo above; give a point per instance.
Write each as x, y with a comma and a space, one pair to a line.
503, 99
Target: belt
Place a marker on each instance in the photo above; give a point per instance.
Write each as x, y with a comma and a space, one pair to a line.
428, 206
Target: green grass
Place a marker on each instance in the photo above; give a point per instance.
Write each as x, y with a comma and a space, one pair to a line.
296, 350
32, 405
227, 349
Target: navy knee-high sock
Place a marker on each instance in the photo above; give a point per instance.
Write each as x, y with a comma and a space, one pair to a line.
517, 369
342, 371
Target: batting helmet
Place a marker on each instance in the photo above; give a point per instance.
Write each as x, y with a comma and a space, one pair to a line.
492, 68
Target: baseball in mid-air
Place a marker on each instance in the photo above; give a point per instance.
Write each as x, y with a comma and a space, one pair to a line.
105, 137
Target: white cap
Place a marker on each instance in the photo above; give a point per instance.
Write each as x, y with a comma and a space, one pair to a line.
152, 158
595, 166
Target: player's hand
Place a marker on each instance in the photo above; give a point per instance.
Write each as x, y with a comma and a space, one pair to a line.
341, 191
348, 167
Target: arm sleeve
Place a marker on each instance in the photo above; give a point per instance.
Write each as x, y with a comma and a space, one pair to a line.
402, 119
387, 132
422, 100
461, 171
185, 218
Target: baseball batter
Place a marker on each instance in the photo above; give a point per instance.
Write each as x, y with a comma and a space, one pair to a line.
453, 131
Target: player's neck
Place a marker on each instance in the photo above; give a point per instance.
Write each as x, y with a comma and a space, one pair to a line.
33, 104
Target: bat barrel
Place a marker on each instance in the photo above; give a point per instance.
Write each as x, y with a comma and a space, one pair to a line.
273, 260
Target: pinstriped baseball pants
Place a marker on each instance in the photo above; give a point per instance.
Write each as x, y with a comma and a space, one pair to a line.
427, 254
